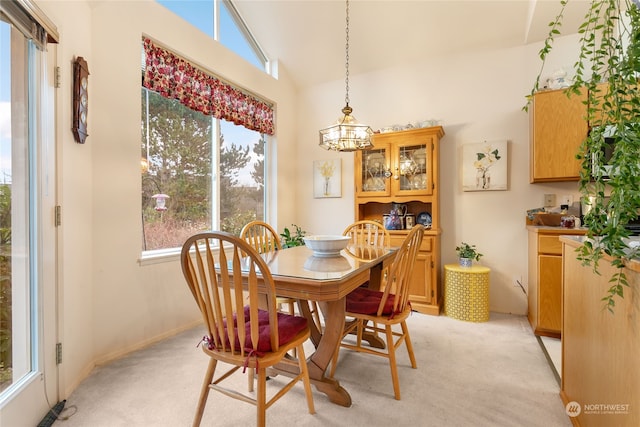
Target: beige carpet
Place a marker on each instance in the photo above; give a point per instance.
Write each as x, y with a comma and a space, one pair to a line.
469, 374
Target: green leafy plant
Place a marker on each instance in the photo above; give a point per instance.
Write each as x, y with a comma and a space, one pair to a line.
290, 240
468, 251
607, 69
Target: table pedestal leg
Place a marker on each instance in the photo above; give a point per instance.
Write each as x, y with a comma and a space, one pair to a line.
334, 312
305, 310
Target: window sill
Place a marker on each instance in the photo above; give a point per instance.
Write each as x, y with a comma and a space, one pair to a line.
159, 256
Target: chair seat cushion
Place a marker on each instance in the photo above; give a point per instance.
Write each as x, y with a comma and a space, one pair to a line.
288, 327
367, 301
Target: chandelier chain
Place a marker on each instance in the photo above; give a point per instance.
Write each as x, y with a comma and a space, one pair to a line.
346, 80
346, 134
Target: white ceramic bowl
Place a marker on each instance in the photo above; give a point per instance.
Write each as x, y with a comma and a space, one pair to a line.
326, 245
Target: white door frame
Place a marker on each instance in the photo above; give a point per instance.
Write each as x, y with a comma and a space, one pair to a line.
40, 390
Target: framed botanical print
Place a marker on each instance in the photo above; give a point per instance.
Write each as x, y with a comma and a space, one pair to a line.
327, 178
484, 166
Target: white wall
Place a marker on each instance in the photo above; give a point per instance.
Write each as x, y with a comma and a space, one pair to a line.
479, 97
110, 303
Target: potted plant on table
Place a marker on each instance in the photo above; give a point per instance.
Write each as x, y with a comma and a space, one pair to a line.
467, 254
290, 240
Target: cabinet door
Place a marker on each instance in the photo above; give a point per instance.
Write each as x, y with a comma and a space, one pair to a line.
550, 292
420, 289
412, 167
373, 172
558, 127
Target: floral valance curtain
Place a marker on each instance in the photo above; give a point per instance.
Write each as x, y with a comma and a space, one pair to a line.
175, 78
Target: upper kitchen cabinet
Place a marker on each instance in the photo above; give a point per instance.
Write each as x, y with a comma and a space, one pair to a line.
558, 127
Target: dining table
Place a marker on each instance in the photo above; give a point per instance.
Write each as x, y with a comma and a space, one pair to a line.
301, 275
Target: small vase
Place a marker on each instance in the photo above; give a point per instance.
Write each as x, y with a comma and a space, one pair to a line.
465, 262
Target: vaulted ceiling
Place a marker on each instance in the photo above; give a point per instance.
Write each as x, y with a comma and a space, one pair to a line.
308, 36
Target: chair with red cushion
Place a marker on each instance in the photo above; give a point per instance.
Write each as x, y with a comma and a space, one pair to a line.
240, 335
264, 238
385, 311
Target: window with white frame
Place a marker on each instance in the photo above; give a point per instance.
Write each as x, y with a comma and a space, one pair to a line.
221, 21
203, 151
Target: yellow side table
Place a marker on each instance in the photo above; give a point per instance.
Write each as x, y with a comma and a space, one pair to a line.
466, 292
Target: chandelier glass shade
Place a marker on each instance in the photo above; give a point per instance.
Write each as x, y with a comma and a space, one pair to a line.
346, 134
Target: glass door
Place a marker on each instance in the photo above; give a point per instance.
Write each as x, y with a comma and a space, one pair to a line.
413, 174
373, 172
28, 372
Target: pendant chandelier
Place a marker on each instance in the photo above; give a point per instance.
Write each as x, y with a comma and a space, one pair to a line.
347, 134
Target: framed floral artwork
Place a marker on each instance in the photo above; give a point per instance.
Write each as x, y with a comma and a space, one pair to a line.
327, 178
484, 166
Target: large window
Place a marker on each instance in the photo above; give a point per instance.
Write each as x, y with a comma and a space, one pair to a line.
196, 177
200, 171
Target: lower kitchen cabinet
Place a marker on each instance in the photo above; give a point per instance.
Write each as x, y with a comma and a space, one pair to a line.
545, 279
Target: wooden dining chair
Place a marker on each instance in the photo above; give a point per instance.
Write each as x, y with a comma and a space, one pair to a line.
386, 310
367, 233
261, 236
367, 239
259, 338
264, 238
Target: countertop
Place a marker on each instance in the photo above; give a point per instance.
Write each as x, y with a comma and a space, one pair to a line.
576, 241
557, 230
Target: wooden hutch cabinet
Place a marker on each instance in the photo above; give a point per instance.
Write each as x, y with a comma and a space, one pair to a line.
402, 167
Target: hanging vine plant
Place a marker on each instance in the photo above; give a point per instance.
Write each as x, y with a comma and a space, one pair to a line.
608, 69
